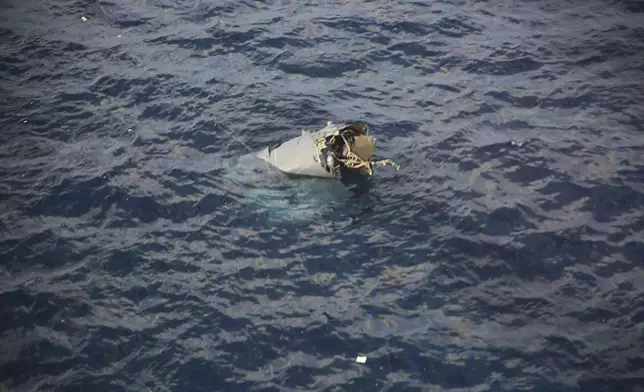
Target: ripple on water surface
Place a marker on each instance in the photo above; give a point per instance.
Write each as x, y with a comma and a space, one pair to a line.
139, 255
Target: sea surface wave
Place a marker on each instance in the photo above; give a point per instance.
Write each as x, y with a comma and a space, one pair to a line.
139, 253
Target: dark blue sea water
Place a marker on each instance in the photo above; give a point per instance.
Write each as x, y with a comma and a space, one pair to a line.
139, 254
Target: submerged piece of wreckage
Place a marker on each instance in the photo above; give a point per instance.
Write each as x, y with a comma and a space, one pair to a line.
327, 153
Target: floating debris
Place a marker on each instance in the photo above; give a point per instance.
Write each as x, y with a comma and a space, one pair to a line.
361, 359
83, 18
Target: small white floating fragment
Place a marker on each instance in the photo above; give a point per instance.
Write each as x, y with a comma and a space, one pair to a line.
119, 36
84, 19
361, 359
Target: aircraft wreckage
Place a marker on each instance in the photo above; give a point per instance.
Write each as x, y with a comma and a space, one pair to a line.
334, 151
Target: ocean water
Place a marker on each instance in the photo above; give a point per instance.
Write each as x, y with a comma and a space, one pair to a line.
138, 254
